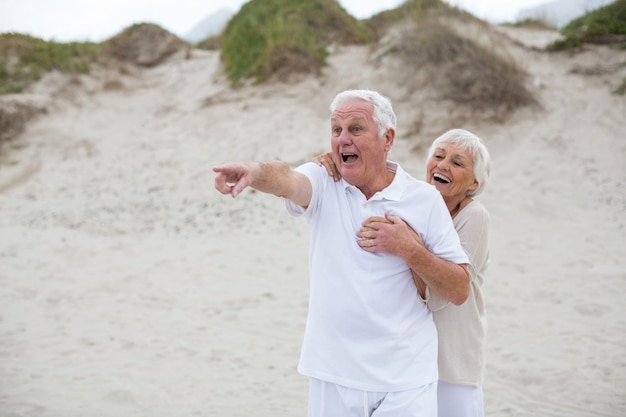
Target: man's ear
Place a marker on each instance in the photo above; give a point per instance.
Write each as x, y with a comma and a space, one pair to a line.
389, 136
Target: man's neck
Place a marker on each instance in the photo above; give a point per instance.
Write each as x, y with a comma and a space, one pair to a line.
383, 181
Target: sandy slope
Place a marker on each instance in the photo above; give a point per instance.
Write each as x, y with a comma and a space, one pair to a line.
129, 287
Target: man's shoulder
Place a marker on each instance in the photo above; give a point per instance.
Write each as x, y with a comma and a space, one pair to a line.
397, 168
420, 186
411, 187
314, 172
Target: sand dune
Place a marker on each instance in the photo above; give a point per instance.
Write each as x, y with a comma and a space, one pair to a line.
130, 287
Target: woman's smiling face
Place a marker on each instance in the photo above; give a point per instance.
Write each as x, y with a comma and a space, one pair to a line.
451, 169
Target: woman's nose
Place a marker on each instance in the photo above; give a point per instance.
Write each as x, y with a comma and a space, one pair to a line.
442, 164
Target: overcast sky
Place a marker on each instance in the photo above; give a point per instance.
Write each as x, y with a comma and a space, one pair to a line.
97, 20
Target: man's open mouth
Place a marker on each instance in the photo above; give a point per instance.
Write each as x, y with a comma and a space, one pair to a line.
349, 157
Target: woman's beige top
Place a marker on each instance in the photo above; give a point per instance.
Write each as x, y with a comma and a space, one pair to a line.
462, 329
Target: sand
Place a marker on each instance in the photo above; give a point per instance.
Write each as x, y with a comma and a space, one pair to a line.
130, 287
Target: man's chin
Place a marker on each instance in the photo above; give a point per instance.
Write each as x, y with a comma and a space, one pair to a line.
347, 173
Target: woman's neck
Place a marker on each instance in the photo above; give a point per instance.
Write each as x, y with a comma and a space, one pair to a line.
455, 206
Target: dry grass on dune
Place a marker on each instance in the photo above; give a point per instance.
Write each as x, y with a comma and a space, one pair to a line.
14, 115
458, 68
143, 44
25, 60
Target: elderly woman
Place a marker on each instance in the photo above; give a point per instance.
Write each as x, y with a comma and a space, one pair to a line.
458, 166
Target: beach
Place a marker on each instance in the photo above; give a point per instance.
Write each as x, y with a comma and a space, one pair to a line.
130, 287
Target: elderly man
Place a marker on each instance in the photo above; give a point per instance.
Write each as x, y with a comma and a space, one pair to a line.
370, 342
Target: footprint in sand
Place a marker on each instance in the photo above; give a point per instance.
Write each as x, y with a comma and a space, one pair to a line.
594, 310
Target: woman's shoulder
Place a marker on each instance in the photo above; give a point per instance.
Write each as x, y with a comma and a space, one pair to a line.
475, 209
476, 206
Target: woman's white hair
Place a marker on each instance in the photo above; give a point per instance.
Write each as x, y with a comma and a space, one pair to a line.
383, 114
467, 140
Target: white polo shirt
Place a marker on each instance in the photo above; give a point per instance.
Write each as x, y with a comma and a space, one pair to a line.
367, 327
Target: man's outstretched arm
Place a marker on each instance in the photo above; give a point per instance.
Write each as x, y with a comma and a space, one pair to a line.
275, 177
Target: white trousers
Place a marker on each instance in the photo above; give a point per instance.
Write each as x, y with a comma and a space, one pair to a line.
459, 400
331, 400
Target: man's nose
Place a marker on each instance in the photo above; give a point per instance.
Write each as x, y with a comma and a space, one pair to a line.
345, 138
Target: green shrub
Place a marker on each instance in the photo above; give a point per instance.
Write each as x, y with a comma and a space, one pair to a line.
532, 24
604, 25
211, 43
282, 37
24, 59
